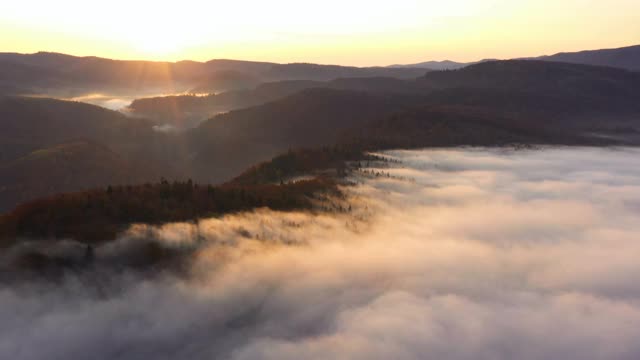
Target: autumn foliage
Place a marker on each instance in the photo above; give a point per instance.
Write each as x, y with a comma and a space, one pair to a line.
98, 215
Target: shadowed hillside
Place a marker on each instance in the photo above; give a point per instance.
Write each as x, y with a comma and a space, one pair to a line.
565, 100
229, 143
189, 110
545, 94
40, 153
524, 86
30, 123
66, 167
536, 76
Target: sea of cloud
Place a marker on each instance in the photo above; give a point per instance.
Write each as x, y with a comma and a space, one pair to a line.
446, 254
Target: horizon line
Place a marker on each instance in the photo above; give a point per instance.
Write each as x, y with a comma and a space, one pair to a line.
304, 62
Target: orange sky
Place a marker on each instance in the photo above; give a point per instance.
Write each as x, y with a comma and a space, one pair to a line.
332, 31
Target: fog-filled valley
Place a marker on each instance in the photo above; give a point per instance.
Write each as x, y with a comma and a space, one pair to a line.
453, 253
232, 209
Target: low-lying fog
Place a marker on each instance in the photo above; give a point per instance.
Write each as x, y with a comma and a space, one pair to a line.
111, 102
458, 254
114, 99
120, 102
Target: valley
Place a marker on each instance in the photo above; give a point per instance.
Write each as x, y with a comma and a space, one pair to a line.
231, 209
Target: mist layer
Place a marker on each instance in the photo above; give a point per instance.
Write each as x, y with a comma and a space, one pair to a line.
443, 254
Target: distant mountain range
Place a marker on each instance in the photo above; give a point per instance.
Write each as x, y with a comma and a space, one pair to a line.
185, 111
189, 110
624, 58
68, 76
490, 103
65, 75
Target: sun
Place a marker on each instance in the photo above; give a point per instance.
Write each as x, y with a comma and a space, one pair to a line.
158, 47
160, 43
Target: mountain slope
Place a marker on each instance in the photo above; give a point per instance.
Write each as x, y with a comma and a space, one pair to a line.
34, 162
528, 75
558, 95
546, 99
30, 123
69, 166
189, 110
229, 143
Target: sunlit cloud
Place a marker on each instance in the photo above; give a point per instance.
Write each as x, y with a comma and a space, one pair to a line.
457, 254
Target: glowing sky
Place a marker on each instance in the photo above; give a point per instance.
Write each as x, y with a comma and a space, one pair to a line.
356, 32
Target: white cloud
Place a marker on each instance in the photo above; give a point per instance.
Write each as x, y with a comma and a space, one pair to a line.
485, 254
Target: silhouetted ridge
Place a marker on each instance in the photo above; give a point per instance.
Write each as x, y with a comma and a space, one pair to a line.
72, 75
531, 76
624, 57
